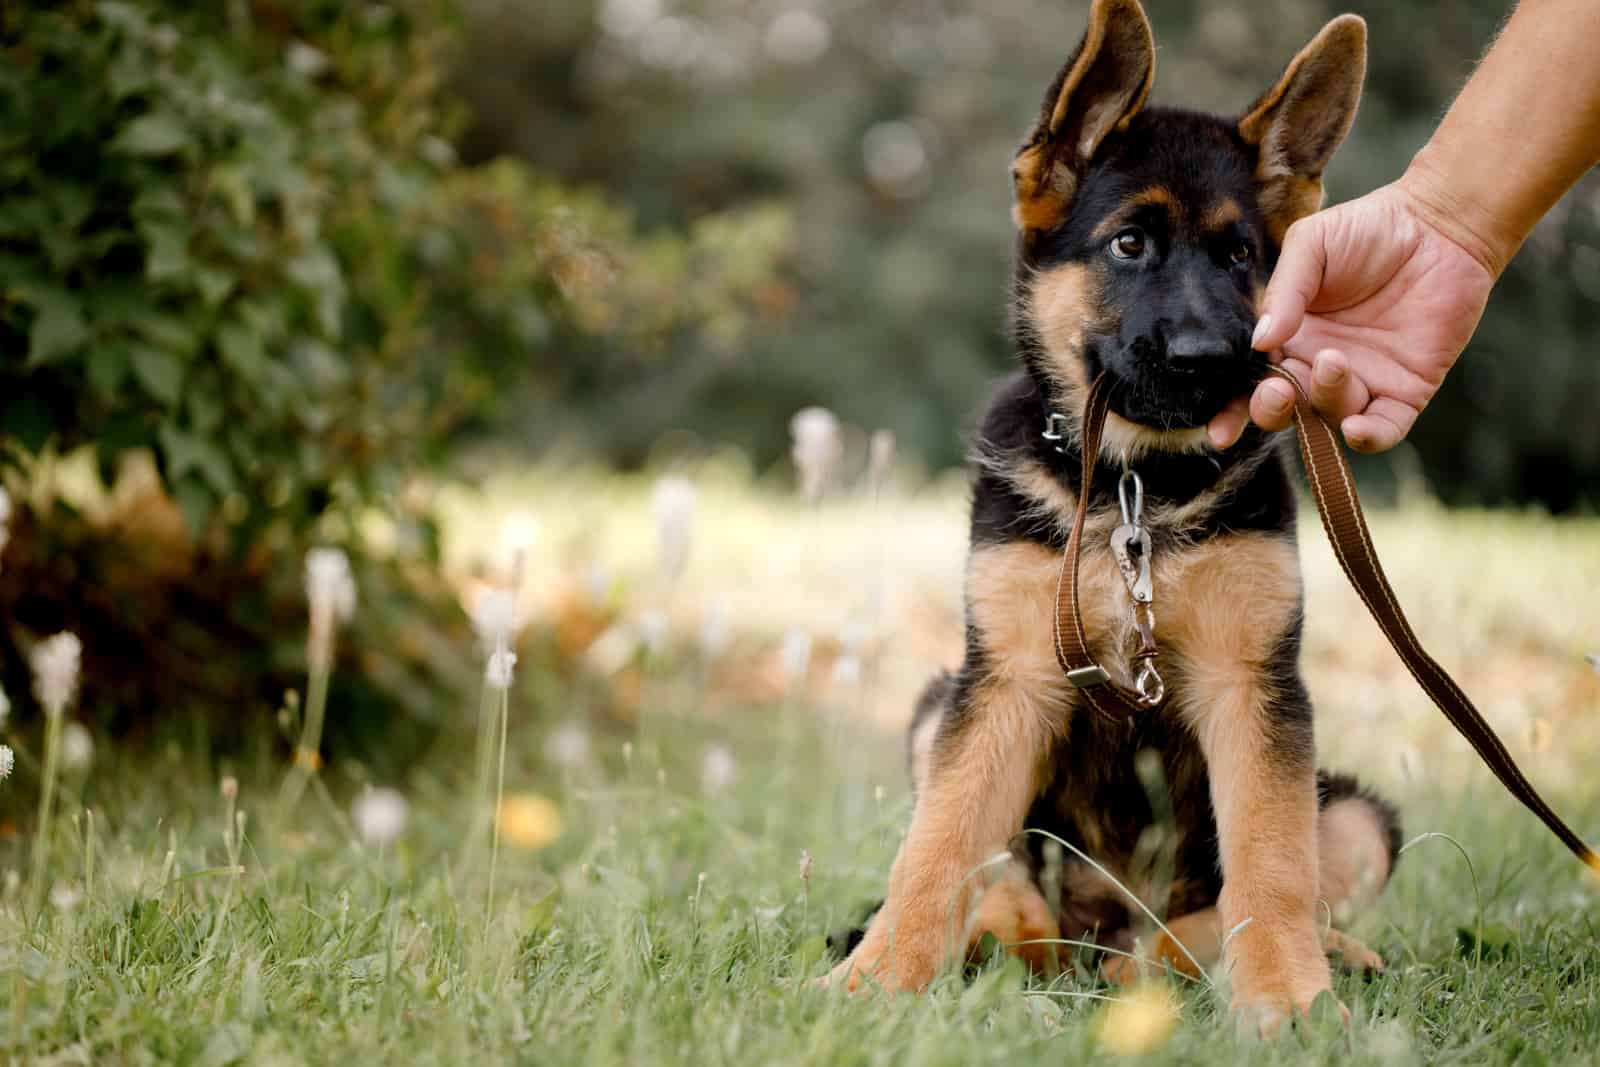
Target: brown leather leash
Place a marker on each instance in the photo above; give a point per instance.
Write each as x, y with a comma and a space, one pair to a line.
1334, 491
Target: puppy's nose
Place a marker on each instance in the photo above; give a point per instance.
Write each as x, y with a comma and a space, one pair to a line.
1191, 347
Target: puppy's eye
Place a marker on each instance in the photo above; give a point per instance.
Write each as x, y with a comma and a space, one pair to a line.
1241, 253
1129, 244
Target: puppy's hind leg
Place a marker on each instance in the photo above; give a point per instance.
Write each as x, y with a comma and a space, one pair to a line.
1358, 843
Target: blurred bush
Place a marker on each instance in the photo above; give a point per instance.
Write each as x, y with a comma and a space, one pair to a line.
236, 239
886, 127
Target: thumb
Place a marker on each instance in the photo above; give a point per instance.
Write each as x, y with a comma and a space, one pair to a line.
1295, 283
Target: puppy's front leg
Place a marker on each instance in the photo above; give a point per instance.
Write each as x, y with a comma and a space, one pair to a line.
1257, 740
981, 778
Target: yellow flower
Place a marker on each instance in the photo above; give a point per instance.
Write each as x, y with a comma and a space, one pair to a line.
1139, 1021
529, 821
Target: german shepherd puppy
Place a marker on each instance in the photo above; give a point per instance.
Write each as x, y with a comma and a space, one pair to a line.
1146, 235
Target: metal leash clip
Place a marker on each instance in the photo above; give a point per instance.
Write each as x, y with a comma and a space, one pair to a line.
1130, 546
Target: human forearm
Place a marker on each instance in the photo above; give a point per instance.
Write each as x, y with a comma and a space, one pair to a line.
1523, 130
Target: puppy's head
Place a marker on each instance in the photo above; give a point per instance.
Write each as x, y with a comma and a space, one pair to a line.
1147, 234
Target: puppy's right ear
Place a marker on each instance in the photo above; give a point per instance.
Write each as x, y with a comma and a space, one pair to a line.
1101, 88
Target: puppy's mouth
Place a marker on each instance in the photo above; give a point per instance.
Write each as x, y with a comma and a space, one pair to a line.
1164, 397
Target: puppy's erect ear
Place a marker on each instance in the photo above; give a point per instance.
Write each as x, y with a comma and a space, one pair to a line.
1300, 122
1101, 88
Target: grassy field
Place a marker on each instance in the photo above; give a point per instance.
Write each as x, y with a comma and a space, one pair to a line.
649, 900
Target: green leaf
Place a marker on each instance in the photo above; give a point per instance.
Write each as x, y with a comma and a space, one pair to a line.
156, 134
195, 501
107, 365
58, 330
213, 284
159, 371
241, 351
186, 452
167, 257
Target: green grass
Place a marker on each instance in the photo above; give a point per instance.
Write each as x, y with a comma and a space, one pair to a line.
669, 924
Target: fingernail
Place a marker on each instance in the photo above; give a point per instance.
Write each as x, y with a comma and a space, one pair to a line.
1276, 402
1261, 330
1327, 373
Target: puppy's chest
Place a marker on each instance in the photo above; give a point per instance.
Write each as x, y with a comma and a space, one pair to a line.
1221, 603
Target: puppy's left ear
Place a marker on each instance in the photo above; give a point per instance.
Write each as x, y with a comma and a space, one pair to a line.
1299, 123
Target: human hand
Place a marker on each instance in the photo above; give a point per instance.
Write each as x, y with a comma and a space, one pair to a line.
1369, 306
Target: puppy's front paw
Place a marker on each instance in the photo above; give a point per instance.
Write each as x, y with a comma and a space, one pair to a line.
902, 965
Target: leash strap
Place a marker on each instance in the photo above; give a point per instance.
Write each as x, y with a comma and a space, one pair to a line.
1334, 492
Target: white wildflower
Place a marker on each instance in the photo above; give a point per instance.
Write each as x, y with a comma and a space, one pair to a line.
65, 896
8, 761
795, 656
77, 747
611, 651
304, 60
673, 502
567, 746
56, 661
714, 635
653, 632
329, 585
519, 532
502, 663
379, 815
496, 618
880, 462
718, 769
816, 450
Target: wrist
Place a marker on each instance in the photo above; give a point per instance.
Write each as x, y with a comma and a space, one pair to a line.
1456, 215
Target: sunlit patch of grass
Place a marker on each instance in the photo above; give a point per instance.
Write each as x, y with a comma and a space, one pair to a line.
665, 891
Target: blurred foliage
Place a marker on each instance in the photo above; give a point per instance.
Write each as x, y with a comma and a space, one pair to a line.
236, 239
885, 129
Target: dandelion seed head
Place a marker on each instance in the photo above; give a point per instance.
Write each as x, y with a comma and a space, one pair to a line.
495, 617
502, 665
56, 661
330, 586
653, 632
567, 746
816, 449
673, 501
380, 815
880, 457
77, 747
718, 769
8, 761
65, 896
519, 532
714, 630
795, 656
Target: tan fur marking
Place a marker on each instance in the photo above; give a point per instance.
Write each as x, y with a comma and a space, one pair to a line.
922, 748
981, 779
1225, 604
1011, 597
1013, 911
1287, 199
1063, 305
1124, 441
1221, 216
1234, 601
1152, 196
1354, 858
